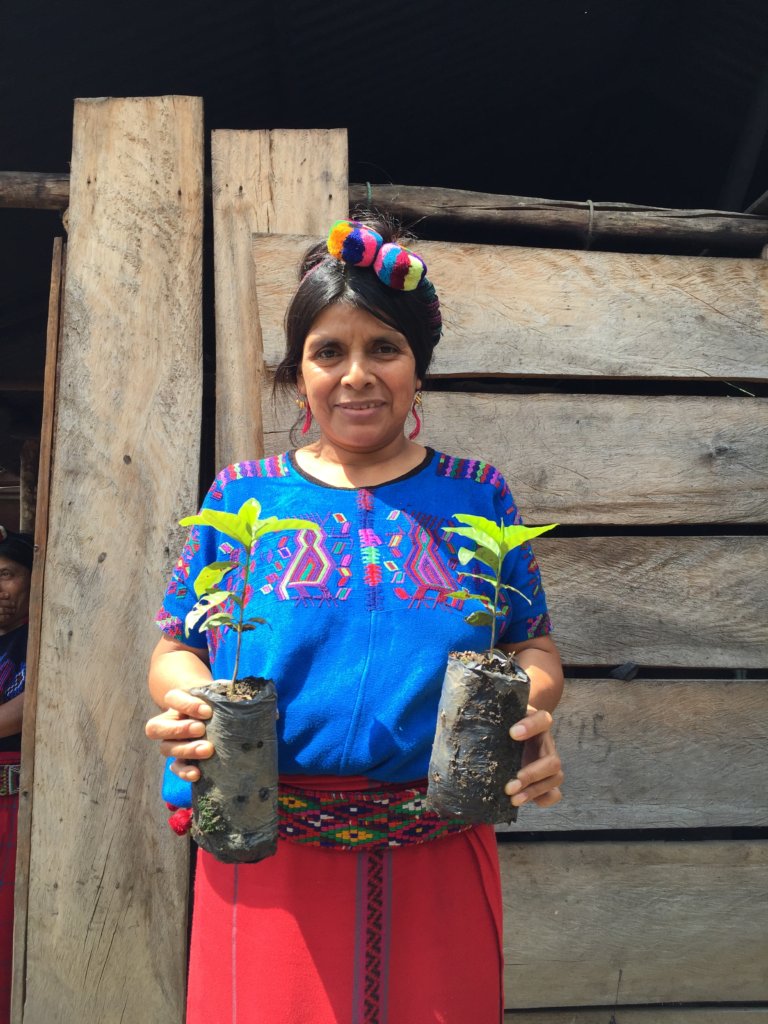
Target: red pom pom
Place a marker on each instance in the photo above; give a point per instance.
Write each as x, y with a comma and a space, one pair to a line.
181, 820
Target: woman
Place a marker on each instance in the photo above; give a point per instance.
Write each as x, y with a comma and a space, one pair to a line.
16, 550
360, 623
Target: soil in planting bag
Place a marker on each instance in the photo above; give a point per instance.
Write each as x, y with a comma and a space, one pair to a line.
235, 800
473, 755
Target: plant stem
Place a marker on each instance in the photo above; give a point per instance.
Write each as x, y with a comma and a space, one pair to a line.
496, 588
239, 627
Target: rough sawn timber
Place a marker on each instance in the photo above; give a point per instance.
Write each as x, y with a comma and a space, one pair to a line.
287, 181
683, 921
621, 459
517, 312
27, 776
589, 224
108, 880
725, 1014
681, 601
658, 753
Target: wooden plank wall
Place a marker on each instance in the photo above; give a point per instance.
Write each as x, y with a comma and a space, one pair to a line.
593, 920
106, 921
663, 917
266, 181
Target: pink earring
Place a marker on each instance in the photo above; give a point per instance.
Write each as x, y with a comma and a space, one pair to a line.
415, 411
304, 407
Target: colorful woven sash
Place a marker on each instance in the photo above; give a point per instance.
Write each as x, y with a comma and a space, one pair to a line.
360, 819
9, 779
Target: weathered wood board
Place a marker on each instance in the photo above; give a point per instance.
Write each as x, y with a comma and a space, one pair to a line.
603, 458
679, 601
289, 181
725, 1014
651, 753
683, 921
511, 311
108, 880
27, 776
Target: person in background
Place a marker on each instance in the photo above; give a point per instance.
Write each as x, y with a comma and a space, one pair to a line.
16, 551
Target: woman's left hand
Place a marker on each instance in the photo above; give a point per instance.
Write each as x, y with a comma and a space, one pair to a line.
541, 776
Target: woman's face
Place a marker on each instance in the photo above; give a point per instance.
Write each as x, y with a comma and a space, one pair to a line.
359, 377
14, 594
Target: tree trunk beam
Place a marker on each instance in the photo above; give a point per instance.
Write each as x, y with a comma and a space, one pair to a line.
455, 213
459, 210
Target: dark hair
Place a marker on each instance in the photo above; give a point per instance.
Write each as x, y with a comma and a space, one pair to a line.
325, 280
17, 547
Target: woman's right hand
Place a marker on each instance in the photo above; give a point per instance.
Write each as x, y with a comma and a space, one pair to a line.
181, 732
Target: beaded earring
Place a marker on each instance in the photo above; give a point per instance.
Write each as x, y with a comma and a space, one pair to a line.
415, 412
304, 407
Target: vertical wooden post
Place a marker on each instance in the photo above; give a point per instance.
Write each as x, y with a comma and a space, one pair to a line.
291, 182
30, 456
33, 645
106, 918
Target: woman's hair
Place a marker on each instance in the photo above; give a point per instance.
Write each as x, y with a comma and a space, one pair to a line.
325, 280
17, 547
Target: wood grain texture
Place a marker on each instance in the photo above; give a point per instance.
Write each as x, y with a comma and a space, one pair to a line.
676, 601
725, 1014
517, 312
596, 224
604, 458
658, 601
684, 922
108, 881
27, 777
270, 181
684, 753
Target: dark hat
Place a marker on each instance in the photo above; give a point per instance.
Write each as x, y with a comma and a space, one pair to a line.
18, 547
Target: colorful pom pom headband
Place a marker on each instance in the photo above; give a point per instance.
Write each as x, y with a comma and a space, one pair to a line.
357, 245
360, 246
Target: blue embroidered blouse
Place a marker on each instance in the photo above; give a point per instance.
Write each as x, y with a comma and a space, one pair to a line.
360, 617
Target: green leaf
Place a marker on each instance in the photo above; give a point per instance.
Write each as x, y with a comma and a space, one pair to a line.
460, 595
489, 527
480, 619
516, 536
248, 514
508, 586
211, 575
217, 621
203, 606
483, 540
225, 522
273, 525
480, 576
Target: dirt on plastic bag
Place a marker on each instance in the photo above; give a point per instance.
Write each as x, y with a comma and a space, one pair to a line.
235, 801
473, 755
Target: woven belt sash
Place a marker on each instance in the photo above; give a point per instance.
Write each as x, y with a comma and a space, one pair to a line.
360, 820
9, 779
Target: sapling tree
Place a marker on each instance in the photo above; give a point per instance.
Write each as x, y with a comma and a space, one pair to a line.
483, 694
246, 529
235, 800
493, 541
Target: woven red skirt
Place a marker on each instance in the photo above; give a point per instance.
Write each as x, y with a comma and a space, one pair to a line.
9, 806
405, 935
